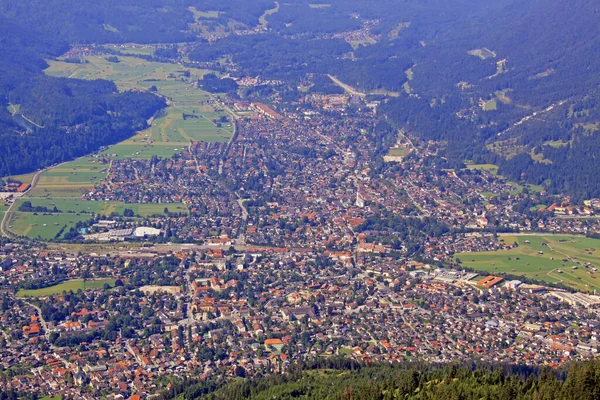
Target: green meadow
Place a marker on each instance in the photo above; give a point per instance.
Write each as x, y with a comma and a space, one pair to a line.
567, 259
73, 285
170, 133
191, 115
43, 225
74, 205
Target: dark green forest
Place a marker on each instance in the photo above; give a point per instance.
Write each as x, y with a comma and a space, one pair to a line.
339, 378
59, 119
547, 49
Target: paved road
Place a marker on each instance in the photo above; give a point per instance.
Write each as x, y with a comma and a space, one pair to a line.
8, 214
347, 88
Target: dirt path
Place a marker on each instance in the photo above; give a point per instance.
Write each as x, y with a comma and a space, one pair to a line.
31, 122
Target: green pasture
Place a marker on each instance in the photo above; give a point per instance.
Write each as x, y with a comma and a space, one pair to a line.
43, 225
71, 179
129, 73
567, 259
170, 133
76, 205
73, 285
25, 178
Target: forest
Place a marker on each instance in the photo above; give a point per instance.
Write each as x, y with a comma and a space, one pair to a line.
538, 56
58, 119
339, 378
463, 72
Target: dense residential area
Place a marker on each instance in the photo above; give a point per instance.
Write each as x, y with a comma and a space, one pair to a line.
278, 200
162, 314
300, 242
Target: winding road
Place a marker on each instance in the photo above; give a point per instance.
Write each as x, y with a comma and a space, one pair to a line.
8, 214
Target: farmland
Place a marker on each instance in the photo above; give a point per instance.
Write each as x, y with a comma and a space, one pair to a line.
73, 285
567, 259
171, 132
191, 115
70, 179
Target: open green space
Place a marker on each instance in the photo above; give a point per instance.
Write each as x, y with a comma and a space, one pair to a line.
399, 151
483, 53
76, 205
203, 14
503, 96
489, 105
71, 179
68, 286
358, 43
567, 259
171, 132
558, 143
43, 225
191, 115
13, 108
395, 33
493, 169
25, 178
263, 18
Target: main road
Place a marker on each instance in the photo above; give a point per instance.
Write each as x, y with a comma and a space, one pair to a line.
7, 215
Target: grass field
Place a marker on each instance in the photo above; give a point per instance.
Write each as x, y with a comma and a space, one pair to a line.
503, 96
489, 105
131, 49
71, 179
483, 53
76, 205
399, 152
73, 285
73, 210
34, 225
169, 134
559, 253
262, 21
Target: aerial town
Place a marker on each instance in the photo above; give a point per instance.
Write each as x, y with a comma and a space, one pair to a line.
313, 232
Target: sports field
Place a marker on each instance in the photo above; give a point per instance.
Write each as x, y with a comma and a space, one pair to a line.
68, 286
572, 260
